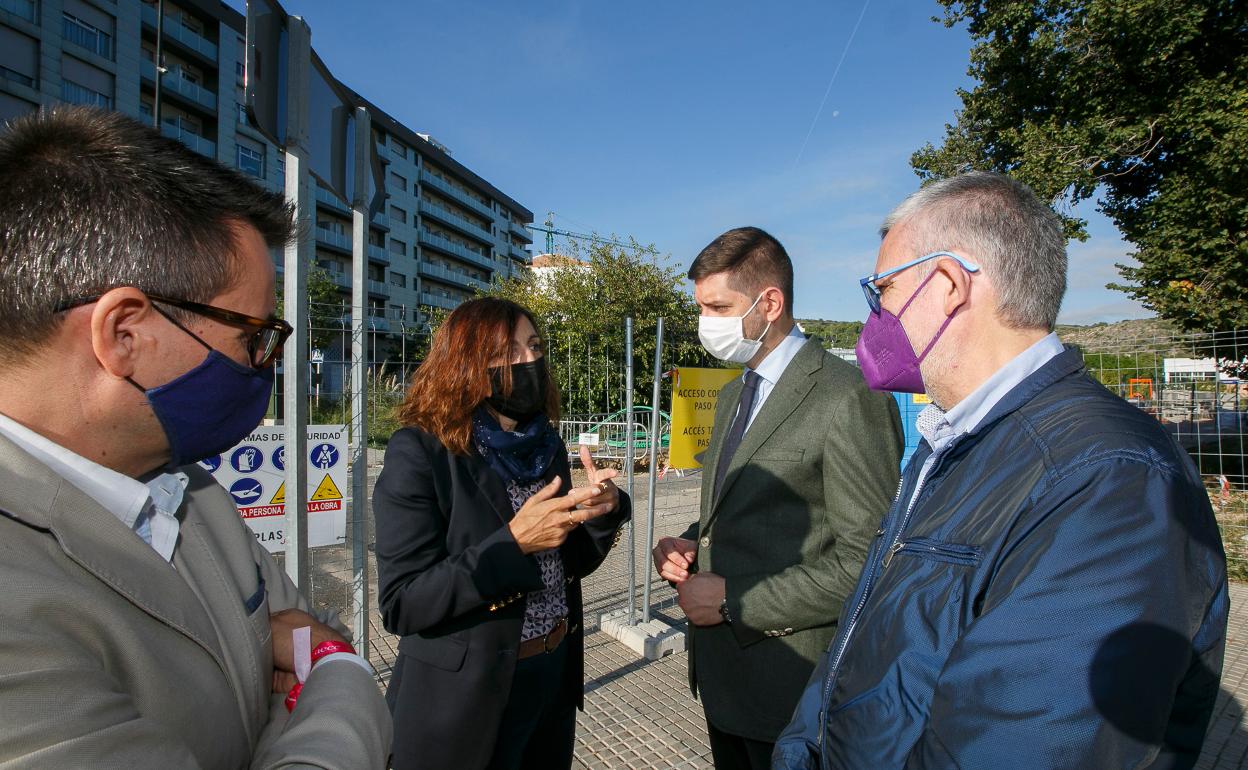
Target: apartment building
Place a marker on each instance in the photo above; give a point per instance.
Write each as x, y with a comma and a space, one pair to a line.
444, 232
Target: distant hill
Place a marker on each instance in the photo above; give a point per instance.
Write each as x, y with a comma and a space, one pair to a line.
1147, 334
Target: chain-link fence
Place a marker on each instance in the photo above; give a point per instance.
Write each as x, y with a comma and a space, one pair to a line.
1194, 385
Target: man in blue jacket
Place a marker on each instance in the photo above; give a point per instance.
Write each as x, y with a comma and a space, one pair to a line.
1048, 590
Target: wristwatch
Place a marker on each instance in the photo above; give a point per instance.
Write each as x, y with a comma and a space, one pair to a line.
723, 611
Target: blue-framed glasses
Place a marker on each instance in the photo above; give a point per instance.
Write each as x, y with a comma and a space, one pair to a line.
872, 292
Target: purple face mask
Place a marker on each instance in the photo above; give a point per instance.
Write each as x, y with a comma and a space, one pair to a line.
885, 354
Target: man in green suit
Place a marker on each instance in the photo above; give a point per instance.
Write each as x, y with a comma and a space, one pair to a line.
802, 464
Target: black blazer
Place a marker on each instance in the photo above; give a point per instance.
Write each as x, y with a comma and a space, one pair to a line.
452, 584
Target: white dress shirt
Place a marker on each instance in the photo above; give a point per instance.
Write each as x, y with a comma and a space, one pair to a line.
772, 366
150, 509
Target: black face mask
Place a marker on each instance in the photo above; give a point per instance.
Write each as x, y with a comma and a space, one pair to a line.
528, 390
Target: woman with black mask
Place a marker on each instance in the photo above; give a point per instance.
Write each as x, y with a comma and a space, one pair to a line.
481, 545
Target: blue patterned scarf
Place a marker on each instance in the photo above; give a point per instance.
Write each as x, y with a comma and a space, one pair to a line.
523, 454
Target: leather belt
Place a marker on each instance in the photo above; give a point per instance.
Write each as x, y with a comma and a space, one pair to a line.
547, 642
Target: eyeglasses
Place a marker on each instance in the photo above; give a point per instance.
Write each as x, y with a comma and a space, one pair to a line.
263, 347
872, 291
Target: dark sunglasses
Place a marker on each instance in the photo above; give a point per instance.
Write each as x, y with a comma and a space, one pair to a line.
263, 347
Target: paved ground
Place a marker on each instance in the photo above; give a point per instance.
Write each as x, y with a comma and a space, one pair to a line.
640, 714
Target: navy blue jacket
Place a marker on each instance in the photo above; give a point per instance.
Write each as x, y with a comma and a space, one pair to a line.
1055, 598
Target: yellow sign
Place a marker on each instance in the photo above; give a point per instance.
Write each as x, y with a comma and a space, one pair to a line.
694, 394
279, 497
326, 490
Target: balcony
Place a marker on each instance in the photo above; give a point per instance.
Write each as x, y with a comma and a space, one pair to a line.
332, 201
377, 323
441, 185
75, 93
174, 82
24, 9
520, 254
85, 36
341, 280
445, 216
520, 230
332, 239
440, 273
191, 139
454, 249
176, 31
378, 287
378, 254
437, 300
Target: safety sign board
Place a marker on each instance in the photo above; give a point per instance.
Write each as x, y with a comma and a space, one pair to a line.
694, 395
254, 473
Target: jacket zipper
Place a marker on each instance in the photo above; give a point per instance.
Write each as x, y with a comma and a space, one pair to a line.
866, 592
947, 552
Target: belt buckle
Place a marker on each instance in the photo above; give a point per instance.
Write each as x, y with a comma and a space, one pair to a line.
546, 638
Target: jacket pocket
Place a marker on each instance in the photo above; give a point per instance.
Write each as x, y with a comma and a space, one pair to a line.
779, 455
444, 652
934, 550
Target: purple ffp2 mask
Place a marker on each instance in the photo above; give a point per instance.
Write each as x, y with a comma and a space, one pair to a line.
885, 354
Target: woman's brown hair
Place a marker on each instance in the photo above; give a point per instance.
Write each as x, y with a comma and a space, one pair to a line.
455, 377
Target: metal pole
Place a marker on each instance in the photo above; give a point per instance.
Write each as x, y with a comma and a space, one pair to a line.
654, 462
359, 418
160, 61
298, 256
629, 462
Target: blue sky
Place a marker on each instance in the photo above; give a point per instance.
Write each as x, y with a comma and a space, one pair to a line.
673, 122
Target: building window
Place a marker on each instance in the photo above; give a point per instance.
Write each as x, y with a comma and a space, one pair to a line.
14, 76
251, 161
242, 113
398, 312
376, 238
376, 308
76, 93
79, 32
399, 149
398, 247
398, 214
398, 181
398, 279
23, 8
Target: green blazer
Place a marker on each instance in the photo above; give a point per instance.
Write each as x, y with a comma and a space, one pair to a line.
803, 497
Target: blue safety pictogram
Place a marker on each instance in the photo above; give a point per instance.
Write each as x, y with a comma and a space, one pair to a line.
279, 458
247, 459
211, 464
246, 491
324, 456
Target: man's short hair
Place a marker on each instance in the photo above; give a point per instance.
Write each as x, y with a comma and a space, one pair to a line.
753, 259
999, 223
92, 200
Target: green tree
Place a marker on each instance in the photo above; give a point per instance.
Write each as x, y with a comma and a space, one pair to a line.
833, 334
583, 304
1142, 104
326, 306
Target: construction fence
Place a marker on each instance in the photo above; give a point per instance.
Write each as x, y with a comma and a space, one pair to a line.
1193, 384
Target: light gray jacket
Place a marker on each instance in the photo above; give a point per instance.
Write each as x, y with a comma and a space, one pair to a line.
112, 658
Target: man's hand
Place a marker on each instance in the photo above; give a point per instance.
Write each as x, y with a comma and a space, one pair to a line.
673, 557
701, 596
284, 623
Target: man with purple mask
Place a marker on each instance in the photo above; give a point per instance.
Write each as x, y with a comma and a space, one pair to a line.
1048, 589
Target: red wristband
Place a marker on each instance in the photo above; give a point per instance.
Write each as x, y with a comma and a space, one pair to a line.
329, 647
293, 696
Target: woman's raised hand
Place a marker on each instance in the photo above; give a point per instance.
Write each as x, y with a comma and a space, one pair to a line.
544, 520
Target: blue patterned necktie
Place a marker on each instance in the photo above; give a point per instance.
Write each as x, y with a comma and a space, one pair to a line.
749, 389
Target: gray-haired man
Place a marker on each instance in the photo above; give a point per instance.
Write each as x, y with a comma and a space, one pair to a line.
1048, 590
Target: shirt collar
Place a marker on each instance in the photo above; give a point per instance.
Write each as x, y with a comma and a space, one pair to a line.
775, 362
121, 495
939, 427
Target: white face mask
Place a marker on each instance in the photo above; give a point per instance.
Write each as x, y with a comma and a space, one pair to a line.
724, 336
